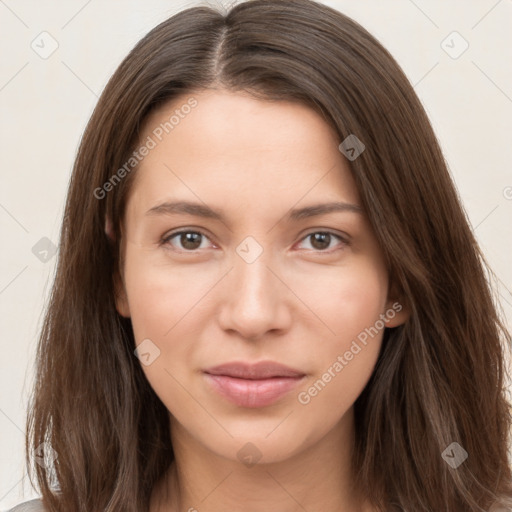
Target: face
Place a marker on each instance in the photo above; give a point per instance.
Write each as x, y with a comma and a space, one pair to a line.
244, 270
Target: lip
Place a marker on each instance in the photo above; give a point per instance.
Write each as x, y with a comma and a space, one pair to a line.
253, 385
259, 370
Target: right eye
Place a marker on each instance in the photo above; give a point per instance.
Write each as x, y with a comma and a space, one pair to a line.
190, 240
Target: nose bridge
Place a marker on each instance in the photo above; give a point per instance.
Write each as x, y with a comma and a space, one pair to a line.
254, 283
255, 299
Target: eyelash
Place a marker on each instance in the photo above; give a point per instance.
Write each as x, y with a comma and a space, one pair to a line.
166, 240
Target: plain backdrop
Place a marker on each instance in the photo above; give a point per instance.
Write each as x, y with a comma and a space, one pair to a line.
456, 53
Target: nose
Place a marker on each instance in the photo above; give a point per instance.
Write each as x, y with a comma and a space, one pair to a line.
257, 301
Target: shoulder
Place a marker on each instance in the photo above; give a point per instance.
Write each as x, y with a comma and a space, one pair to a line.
29, 506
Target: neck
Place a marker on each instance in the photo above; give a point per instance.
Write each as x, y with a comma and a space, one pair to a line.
316, 478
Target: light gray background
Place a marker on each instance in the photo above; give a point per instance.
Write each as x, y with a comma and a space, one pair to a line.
45, 104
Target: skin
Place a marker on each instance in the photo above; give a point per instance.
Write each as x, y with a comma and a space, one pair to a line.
301, 302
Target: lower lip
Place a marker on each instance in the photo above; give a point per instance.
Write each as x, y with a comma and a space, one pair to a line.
252, 393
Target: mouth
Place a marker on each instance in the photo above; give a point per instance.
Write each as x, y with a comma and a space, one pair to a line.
253, 385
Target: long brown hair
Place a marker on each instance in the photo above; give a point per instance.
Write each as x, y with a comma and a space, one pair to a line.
440, 378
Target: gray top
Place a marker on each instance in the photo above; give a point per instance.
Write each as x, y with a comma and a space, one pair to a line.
35, 505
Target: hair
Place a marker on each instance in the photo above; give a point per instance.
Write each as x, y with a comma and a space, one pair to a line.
440, 377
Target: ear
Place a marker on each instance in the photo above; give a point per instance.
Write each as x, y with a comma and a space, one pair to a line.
109, 229
397, 311
121, 298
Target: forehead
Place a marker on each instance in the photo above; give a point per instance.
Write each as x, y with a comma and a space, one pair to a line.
267, 152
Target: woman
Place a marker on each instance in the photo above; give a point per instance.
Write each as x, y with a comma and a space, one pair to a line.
268, 296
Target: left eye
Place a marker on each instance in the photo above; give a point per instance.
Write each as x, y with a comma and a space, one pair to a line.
191, 240
322, 239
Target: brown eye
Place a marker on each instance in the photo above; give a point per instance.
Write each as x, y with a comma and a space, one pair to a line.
188, 240
321, 240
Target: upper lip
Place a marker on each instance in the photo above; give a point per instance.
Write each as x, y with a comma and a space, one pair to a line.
259, 370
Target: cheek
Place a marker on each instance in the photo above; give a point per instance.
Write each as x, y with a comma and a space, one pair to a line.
164, 305
161, 295
349, 302
347, 299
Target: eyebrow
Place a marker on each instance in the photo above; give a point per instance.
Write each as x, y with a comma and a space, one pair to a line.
202, 210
